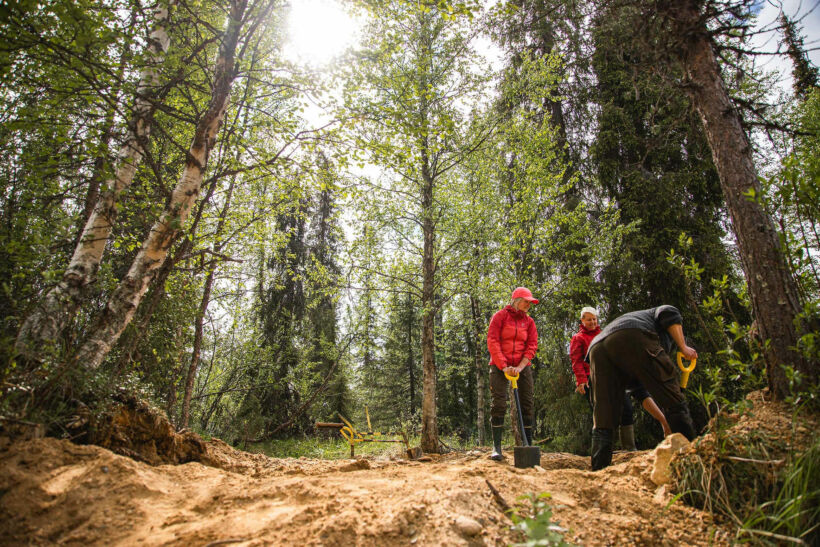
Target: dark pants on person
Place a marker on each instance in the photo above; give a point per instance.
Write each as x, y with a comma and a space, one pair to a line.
617, 362
627, 410
499, 388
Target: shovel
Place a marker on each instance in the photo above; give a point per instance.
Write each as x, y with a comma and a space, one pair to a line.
685, 370
524, 456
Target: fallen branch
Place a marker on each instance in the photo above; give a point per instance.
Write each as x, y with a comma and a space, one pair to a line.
445, 445
19, 422
499, 499
226, 541
775, 536
750, 460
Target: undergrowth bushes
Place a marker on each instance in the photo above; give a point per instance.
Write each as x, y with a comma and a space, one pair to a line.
759, 469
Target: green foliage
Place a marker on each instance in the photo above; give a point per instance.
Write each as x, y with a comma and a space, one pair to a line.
651, 157
631, 219
535, 522
794, 512
765, 485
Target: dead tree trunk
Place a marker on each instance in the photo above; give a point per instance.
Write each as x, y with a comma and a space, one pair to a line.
410, 361
124, 300
774, 296
44, 325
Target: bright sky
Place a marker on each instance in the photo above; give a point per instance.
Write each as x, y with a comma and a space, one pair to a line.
806, 13
319, 30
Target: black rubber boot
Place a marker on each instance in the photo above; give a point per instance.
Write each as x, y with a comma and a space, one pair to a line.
627, 436
498, 432
601, 448
680, 421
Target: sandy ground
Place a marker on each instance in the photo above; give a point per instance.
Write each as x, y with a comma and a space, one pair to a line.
56, 492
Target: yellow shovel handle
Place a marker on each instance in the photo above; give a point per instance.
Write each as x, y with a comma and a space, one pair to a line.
513, 380
684, 377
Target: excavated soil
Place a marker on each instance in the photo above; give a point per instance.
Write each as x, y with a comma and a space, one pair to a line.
167, 488
56, 492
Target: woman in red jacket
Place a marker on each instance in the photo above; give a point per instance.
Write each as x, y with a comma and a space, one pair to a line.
512, 340
578, 347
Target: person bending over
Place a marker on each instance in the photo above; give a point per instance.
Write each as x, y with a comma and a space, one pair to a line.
636, 347
578, 347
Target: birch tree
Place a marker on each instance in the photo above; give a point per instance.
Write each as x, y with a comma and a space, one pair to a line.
42, 327
123, 302
410, 79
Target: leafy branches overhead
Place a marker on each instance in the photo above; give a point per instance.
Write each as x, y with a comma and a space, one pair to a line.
409, 93
239, 247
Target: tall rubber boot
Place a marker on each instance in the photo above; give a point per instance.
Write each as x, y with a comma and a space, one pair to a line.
601, 448
680, 421
627, 435
528, 429
498, 433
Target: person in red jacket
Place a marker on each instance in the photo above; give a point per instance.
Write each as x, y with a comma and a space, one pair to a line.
578, 348
512, 340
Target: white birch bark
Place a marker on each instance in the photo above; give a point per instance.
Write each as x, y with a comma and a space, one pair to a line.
124, 301
44, 325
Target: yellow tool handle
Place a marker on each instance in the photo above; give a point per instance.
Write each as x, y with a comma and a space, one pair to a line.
684, 377
513, 380
351, 435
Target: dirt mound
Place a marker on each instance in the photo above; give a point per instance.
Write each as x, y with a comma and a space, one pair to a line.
53, 491
140, 431
742, 465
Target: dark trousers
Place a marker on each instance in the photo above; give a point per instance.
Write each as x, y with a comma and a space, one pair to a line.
627, 417
628, 355
499, 387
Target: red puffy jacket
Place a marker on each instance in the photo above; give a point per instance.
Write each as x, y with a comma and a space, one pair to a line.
511, 337
578, 348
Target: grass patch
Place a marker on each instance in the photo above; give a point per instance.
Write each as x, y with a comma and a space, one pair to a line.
794, 513
764, 478
333, 448
337, 448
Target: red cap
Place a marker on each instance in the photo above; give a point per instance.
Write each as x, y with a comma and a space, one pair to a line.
523, 292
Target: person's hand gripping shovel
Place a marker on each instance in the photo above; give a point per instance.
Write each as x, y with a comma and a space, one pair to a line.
524, 456
685, 370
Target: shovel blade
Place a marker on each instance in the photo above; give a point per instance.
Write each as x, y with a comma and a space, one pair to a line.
527, 456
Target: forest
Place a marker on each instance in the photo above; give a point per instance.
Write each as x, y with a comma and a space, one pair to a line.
192, 217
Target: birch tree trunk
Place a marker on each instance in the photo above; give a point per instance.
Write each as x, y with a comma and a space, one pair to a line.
774, 296
44, 325
429, 413
124, 301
